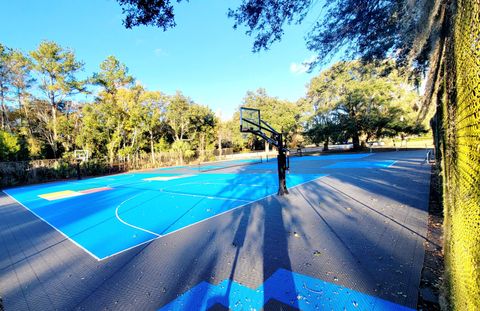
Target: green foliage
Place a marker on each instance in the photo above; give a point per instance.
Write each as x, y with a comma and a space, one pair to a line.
14, 79
325, 129
183, 149
162, 145
9, 146
56, 69
177, 115
127, 123
157, 13
112, 76
282, 115
370, 100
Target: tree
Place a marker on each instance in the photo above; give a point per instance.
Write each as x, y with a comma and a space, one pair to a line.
112, 76
191, 125
414, 32
104, 122
6, 79
56, 69
154, 103
203, 128
21, 82
363, 99
158, 13
9, 146
228, 134
177, 115
325, 128
97, 129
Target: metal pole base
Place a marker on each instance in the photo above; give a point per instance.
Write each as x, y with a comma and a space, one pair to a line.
79, 175
282, 167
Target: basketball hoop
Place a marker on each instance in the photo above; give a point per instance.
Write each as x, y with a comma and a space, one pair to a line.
81, 155
250, 122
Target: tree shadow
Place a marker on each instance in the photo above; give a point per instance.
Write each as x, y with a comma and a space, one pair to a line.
158, 272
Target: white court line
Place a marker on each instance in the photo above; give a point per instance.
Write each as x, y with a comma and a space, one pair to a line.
128, 224
392, 163
207, 219
157, 236
211, 183
225, 183
202, 196
167, 178
58, 230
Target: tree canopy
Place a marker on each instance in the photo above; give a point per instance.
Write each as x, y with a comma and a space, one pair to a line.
124, 121
412, 32
370, 29
354, 99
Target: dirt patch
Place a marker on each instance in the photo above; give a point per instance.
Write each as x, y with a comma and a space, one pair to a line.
431, 283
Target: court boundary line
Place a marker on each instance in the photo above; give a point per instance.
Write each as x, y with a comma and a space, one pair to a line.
202, 196
392, 164
56, 229
157, 236
206, 219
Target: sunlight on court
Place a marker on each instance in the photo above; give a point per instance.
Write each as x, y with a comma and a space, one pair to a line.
108, 215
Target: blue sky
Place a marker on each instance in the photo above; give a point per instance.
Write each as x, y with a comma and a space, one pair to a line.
203, 56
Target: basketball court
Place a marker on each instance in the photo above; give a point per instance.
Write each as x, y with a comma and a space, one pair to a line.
107, 215
348, 236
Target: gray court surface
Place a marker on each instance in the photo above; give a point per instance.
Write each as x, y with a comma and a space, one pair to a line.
361, 228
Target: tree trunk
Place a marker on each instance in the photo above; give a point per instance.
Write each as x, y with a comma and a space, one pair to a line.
4, 109
325, 144
26, 115
54, 120
181, 157
152, 150
202, 146
356, 141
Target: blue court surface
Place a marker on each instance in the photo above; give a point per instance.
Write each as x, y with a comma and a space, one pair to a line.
349, 239
309, 294
108, 215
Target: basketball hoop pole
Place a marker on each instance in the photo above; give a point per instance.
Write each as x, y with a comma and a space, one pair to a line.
80, 156
276, 139
282, 167
79, 174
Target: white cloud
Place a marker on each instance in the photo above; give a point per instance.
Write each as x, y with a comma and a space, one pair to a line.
159, 52
298, 68
303, 67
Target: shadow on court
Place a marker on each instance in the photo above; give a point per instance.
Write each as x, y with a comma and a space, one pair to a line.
359, 229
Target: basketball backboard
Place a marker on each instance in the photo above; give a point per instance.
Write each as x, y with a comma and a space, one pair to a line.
249, 120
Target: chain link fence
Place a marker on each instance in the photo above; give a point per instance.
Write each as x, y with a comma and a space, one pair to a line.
459, 144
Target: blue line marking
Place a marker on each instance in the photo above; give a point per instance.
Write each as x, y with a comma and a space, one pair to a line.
293, 289
136, 210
